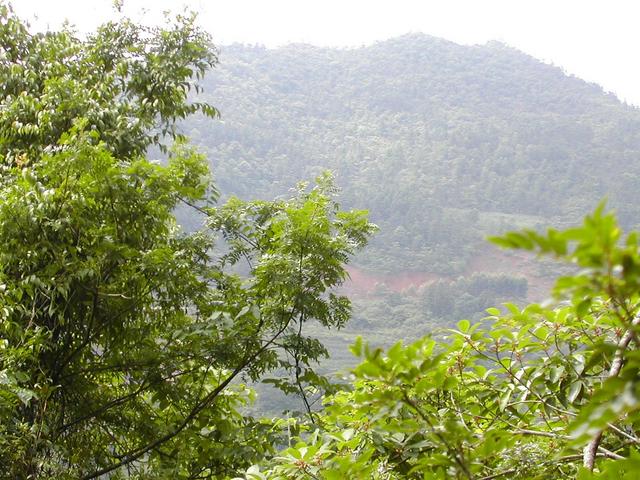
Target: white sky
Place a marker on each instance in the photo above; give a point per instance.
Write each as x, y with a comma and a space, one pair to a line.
596, 40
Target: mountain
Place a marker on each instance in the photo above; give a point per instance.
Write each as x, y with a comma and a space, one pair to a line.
442, 143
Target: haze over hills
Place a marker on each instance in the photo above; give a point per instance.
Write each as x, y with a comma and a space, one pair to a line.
442, 143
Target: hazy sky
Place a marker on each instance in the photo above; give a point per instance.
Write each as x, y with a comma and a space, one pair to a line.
595, 40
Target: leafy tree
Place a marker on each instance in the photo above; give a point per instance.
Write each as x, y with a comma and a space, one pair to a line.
532, 393
123, 341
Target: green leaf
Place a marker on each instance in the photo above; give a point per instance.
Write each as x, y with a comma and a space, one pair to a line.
463, 325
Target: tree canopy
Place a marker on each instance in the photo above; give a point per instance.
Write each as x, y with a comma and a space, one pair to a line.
123, 339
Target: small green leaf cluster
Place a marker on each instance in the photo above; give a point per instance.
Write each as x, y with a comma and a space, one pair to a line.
126, 83
295, 251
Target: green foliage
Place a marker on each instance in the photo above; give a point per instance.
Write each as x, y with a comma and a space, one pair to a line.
123, 340
539, 392
126, 83
295, 251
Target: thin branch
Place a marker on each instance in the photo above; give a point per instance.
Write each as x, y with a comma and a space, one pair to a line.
622, 433
441, 437
199, 407
610, 454
499, 474
207, 214
298, 369
120, 400
590, 450
538, 433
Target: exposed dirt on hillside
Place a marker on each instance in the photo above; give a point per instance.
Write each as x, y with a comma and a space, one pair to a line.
489, 260
363, 282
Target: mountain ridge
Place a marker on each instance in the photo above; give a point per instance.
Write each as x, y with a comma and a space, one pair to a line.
443, 143
423, 40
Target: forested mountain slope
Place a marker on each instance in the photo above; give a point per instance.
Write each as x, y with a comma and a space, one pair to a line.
443, 143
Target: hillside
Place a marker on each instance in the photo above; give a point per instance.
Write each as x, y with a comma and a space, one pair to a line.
442, 143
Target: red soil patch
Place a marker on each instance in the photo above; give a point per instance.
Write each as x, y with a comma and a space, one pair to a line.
364, 282
490, 260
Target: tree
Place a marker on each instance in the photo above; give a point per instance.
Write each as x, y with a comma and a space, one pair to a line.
530, 393
124, 339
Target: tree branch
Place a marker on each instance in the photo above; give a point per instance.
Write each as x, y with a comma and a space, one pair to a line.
590, 450
201, 405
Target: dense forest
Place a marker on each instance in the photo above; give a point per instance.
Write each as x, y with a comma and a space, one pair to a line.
129, 341
443, 144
